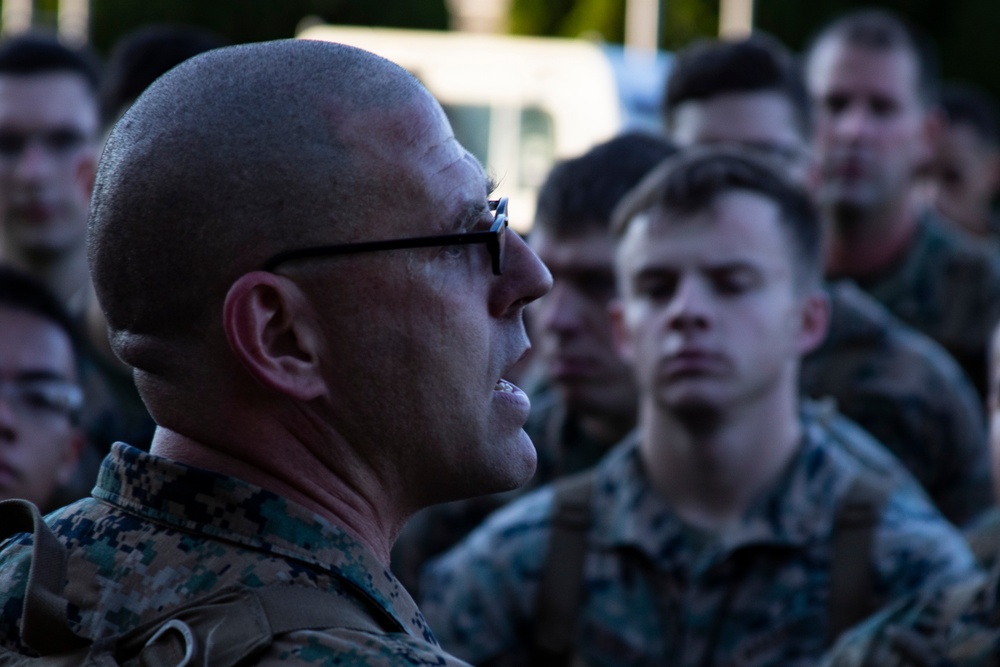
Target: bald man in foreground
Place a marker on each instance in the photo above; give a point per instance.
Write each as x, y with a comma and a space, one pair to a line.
320, 303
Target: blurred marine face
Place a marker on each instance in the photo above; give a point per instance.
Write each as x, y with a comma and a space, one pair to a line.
39, 445
48, 154
709, 316
571, 328
966, 173
871, 127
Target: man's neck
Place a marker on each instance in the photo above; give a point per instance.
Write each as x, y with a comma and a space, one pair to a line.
865, 243
299, 478
710, 476
65, 273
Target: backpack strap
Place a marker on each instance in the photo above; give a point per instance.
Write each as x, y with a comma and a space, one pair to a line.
235, 624
43, 619
223, 628
852, 595
560, 586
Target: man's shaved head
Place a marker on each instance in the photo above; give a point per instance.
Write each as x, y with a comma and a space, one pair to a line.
231, 157
344, 381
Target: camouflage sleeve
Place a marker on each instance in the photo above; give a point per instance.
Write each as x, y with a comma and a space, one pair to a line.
952, 459
953, 625
916, 548
869, 645
955, 428
479, 597
15, 560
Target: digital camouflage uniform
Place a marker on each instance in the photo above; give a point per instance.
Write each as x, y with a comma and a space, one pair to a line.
906, 391
158, 534
655, 588
948, 288
950, 626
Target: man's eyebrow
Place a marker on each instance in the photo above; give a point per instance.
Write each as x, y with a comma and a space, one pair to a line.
724, 265
471, 216
473, 213
40, 375
654, 271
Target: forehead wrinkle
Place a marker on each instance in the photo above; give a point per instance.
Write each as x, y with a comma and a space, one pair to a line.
448, 162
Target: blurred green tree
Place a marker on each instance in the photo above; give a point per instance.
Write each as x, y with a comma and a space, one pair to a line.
681, 21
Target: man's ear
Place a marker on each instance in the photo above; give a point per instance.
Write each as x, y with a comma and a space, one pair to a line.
270, 327
619, 332
815, 321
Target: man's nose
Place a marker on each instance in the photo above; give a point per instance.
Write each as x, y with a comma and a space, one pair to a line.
525, 278
854, 121
33, 162
691, 306
8, 417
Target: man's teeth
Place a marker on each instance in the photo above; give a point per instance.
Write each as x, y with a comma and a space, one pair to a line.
503, 385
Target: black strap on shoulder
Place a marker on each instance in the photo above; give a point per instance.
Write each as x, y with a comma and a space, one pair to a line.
560, 587
43, 618
852, 577
223, 628
236, 624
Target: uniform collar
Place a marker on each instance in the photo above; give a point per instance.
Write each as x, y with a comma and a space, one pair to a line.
225, 508
795, 511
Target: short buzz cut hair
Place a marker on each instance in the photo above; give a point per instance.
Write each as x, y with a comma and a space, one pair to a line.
759, 63
883, 30
145, 54
580, 194
34, 54
204, 177
965, 104
691, 182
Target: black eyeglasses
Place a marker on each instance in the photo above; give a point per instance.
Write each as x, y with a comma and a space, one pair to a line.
494, 239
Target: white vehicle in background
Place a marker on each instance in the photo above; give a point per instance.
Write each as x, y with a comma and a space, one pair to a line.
520, 103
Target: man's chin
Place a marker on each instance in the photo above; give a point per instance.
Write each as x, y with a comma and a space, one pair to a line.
517, 469
849, 204
506, 472
696, 414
